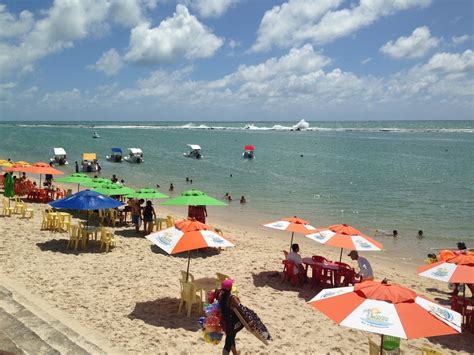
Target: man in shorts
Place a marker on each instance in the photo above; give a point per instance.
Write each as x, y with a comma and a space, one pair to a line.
136, 212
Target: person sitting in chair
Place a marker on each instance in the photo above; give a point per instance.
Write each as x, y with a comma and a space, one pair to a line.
365, 270
296, 258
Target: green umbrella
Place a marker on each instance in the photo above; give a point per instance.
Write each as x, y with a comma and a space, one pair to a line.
9, 186
96, 182
147, 194
193, 198
79, 179
113, 190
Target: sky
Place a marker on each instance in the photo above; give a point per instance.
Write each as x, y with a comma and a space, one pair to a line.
241, 60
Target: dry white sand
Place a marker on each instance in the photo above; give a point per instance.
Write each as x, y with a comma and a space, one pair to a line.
130, 295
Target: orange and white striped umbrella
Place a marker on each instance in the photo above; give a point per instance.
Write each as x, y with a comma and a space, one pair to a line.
459, 269
293, 225
187, 235
387, 309
345, 237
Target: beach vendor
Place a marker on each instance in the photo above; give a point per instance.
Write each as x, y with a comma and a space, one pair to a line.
365, 270
231, 323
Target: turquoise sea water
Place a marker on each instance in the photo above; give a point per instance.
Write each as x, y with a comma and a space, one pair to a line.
373, 175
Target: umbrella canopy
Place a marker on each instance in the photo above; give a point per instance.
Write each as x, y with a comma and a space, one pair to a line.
86, 200
37, 168
76, 178
9, 186
187, 235
22, 163
193, 198
147, 194
345, 237
386, 309
5, 163
459, 269
113, 190
96, 182
292, 224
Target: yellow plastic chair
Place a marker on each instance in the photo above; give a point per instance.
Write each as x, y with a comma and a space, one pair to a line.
19, 206
183, 276
102, 215
169, 221
189, 297
428, 351
65, 222
53, 221
107, 239
113, 216
75, 238
45, 221
157, 224
7, 211
85, 233
27, 212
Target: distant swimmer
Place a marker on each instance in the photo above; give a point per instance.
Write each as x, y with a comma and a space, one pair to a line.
395, 233
301, 155
187, 179
420, 234
171, 187
227, 196
157, 186
243, 200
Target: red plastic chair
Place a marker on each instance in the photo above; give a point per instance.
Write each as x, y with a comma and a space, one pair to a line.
345, 277
319, 259
343, 265
289, 273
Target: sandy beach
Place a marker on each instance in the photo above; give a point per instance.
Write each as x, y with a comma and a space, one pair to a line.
130, 295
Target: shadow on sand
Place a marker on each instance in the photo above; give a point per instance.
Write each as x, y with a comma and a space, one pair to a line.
60, 246
162, 312
274, 280
195, 254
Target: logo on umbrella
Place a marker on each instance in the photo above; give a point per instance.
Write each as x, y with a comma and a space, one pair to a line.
278, 225
441, 272
216, 240
331, 293
362, 244
374, 318
442, 313
319, 236
165, 238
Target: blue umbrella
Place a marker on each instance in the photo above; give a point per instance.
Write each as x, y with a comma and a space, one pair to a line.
86, 200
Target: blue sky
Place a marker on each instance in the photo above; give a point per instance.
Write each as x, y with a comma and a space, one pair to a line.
246, 60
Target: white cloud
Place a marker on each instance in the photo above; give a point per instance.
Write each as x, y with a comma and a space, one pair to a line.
451, 62
180, 35
59, 27
10, 26
457, 40
110, 63
62, 99
299, 21
210, 8
366, 60
415, 46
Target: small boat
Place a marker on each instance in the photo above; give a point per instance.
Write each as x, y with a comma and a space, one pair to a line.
95, 135
60, 157
249, 152
115, 156
89, 163
135, 155
193, 152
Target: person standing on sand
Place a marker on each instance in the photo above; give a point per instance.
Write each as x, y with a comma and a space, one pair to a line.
77, 166
231, 324
171, 187
365, 270
148, 217
200, 213
136, 213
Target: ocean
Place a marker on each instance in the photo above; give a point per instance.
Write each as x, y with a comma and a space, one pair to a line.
403, 175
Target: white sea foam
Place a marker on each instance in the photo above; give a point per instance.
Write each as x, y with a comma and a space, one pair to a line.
302, 125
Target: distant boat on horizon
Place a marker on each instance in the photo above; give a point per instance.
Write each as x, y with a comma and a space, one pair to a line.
95, 135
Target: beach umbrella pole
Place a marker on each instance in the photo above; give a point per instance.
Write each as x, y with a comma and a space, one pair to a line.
340, 256
187, 270
381, 344
291, 243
